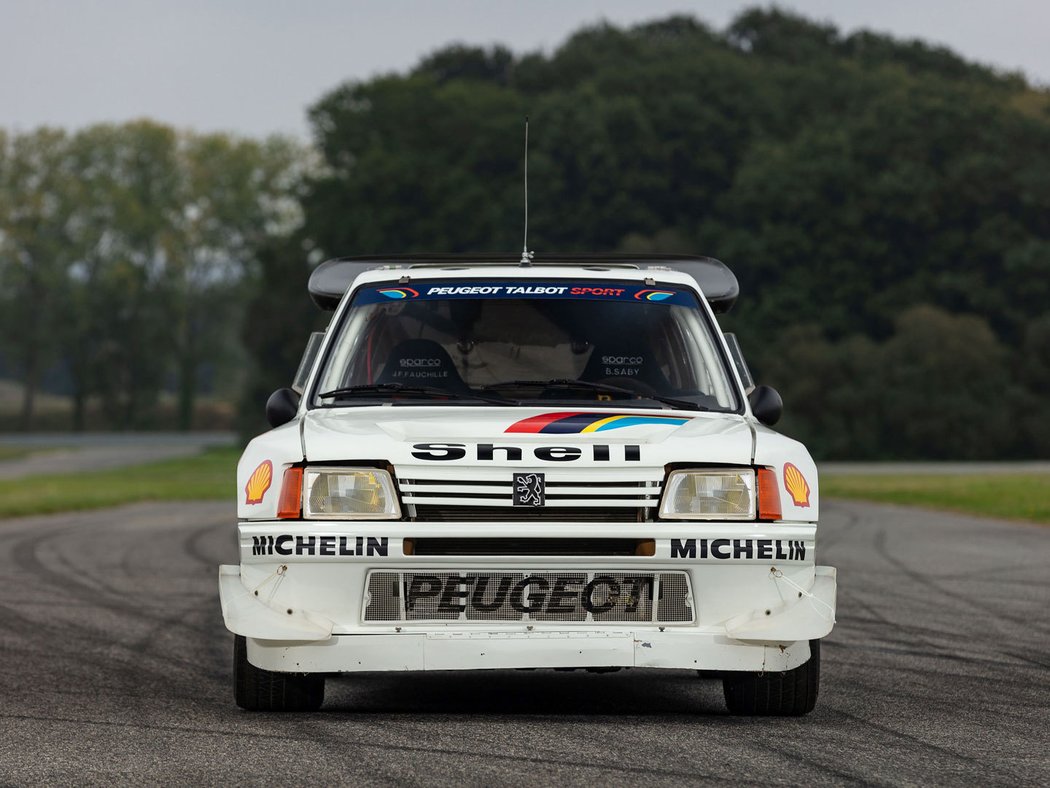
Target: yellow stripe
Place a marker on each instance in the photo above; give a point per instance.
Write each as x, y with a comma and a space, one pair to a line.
594, 427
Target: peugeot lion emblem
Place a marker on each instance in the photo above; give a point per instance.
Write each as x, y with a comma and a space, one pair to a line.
528, 489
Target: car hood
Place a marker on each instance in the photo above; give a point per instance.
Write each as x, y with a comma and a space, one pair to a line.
448, 435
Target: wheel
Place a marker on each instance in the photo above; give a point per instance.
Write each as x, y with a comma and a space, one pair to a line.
790, 694
256, 689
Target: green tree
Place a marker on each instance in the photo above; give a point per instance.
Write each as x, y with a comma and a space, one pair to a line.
946, 387
122, 249
234, 195
35, 251
845, 179
278, 321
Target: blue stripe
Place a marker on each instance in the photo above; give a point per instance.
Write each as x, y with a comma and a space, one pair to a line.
631, 421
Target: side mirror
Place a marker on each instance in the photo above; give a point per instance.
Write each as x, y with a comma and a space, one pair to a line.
766, 404
281, 407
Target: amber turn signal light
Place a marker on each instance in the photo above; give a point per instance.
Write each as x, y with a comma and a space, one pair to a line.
290, 505
768, 495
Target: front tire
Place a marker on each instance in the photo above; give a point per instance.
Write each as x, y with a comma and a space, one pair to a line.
256, 689
789, 694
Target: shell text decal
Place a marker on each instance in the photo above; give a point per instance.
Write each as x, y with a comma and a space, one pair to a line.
259, 482
577, 423
796, 485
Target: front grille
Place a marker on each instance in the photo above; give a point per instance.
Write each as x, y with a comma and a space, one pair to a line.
526, 546
473, 494
583, 597
533, 514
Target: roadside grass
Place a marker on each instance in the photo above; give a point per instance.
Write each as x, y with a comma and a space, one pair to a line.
1007, 496
10, 452
15, 452
210, 475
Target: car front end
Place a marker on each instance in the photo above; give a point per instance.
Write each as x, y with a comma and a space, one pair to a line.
387, 529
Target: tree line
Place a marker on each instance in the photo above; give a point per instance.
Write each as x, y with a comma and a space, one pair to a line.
885, 205
123, 250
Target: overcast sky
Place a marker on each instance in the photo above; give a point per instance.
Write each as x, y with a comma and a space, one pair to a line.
253, 66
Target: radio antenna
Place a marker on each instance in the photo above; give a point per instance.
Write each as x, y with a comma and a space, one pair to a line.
526, 255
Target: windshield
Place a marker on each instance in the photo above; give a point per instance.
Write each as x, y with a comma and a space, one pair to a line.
524, 342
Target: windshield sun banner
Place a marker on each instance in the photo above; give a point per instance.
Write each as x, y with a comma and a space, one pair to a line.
589, 291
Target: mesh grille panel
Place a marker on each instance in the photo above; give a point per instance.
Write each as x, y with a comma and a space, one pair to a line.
490, 597
384, 597
674, 604
572, 596
562, 593
621, 596
430, 597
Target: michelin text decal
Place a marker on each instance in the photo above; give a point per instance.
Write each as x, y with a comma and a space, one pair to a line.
740, 549
286, 544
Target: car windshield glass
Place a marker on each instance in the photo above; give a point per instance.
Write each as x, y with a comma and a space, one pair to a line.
528, 341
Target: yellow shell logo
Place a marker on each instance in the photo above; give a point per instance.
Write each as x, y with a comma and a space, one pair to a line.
259, 482
796, 485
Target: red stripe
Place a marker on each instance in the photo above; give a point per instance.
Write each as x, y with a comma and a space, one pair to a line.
537, 423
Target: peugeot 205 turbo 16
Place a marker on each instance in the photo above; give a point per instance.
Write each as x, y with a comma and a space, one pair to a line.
558, 463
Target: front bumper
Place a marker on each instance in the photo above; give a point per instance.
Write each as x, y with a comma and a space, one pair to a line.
543, 649
757, 597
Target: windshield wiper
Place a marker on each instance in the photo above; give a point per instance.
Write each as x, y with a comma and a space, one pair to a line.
586, 385
366, 389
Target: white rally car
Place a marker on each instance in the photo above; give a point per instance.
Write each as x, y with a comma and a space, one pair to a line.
558, 464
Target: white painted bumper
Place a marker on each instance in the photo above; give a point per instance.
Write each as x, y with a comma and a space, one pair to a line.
304, 614
546, 649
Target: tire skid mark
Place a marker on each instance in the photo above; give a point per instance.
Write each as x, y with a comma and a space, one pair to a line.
929, 582
196, 685
191, 544
74, 583
325, 736
923, 744
829, 541
919, 631
791, 757
26, 554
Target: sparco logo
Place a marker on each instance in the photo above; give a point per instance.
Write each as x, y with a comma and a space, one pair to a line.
528, 489
421, 362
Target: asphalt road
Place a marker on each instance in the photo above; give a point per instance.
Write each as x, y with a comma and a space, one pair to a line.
93, 451
115, 667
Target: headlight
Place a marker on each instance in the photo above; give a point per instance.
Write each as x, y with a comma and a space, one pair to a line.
349, 494
709, 495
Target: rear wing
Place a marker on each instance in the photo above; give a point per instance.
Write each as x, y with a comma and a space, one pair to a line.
331, 279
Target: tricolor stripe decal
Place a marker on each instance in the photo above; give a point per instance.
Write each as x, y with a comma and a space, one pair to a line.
576, 423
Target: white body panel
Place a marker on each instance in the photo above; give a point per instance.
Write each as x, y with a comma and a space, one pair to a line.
755, 594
